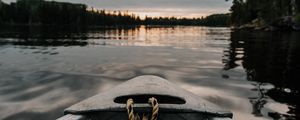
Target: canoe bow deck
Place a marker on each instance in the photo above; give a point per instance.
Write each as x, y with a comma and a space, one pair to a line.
174, 103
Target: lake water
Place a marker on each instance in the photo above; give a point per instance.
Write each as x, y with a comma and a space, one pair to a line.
46, 69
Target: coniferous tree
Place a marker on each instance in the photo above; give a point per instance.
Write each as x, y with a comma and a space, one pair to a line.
237, 16
245, 11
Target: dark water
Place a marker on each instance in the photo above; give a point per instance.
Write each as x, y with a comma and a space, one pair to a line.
46, 69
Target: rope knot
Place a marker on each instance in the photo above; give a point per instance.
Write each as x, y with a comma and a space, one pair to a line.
155, 108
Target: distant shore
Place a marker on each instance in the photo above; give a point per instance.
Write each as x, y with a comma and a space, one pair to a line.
41, 12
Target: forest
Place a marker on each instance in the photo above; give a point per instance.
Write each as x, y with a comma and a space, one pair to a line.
266, 12
41, 12
254, 13
211, 20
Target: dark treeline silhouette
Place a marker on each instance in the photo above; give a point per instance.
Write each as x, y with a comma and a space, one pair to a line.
40, 12
102, 17
59, 13
211, 20
264, 11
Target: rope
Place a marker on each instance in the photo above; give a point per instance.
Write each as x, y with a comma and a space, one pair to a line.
129, 107
153, 102
155, 108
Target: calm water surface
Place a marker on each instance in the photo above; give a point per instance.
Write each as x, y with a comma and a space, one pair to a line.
44, 70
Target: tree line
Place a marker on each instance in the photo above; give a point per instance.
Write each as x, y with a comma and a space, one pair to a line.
265, 11
41, 12
211, 20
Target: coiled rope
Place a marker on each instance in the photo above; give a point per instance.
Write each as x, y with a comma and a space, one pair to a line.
155, 108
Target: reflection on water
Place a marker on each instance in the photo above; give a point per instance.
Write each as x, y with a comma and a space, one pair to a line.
121, 36
269, 57
46, 69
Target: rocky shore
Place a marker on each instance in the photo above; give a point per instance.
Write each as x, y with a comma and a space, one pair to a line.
287, 23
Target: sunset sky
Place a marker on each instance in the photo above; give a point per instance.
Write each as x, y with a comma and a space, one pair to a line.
166, 8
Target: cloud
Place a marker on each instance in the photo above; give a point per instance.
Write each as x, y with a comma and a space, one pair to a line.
183, 8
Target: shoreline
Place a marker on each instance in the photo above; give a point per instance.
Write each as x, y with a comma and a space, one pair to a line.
265, 28
287, 23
